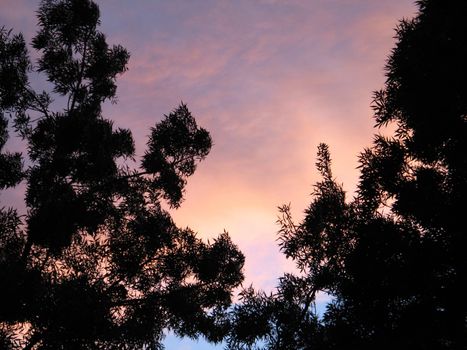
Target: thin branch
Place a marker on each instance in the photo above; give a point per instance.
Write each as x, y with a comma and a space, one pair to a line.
41, 107
81, 71
26, 250
308, 300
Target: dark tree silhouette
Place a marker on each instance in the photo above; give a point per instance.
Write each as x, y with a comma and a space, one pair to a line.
96, 262
394, 257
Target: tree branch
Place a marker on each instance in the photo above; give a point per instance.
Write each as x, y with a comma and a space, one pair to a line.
81, 71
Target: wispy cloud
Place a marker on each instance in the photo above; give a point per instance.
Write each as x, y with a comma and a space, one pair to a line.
270, 79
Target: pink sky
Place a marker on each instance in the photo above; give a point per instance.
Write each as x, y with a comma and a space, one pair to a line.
270, 79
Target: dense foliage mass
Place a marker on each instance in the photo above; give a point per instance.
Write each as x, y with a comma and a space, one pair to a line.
96, 262
393, 258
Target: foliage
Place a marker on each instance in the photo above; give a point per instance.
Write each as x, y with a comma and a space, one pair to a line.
393, 258
97, 263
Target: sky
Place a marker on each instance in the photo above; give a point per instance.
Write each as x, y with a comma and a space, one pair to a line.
270, 80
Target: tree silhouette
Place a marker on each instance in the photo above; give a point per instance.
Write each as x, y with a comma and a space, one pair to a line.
96, 262
393, 258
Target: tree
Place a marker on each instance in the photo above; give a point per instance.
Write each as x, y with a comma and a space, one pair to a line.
96, 262
393, 258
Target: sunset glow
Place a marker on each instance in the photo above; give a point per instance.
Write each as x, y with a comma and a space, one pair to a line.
269, 79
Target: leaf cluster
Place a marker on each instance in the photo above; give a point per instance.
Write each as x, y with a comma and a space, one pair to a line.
96, 262
393, 258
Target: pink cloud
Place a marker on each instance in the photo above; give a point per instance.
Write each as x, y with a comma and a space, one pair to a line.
269, 79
